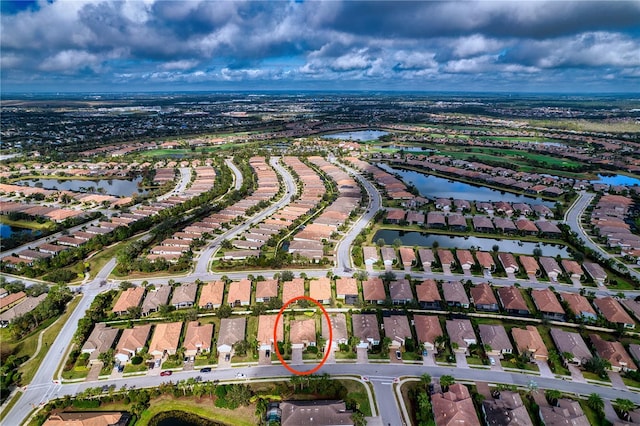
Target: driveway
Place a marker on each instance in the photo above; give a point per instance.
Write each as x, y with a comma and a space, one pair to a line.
296, 356
94, 372
461, 360
392, 356
331, 359
545, 371
496, 366
576, 374
616, 380
362, 356
263, 359
429, 360
221, 360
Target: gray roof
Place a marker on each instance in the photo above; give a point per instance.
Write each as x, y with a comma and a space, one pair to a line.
321, 413
185, 293
453, 291
400, 290
22, 308
567, 341
508, 410
567, 412
232, 330
495, 336
155, 298
100, 340
365, 326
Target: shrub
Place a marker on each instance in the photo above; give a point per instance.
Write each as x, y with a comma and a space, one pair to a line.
136, 360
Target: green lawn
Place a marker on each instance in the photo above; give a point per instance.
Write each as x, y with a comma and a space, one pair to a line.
592, 376
242, 416
130, 368
78, 372
358, 393
28, 224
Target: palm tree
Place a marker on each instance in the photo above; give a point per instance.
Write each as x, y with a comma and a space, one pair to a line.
624, 406
553, 395
595, 402
425, 380
446, 381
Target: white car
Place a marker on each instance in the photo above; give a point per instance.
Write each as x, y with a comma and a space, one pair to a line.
241, 376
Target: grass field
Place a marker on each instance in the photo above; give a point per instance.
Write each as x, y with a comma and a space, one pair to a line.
242, 416
27, 224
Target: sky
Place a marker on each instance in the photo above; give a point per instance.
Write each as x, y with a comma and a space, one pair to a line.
147, 45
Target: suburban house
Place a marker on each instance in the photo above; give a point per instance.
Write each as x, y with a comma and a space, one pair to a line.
465, 260
266, 290
295, 413
85, 418
506, 226
428, 295
211, 295
613, 312
436, 220
428, 329
573, 269
132, 341
512, 301
631, 305
339, 330
530, 266
320, 290
373, 291
571, 343
130, 298
446, 260
427, 258
483, 298
99, 341
165, 340
566, 412
508, 409
482, 224
508, 262
526, 227
292, 289
347, 290
400, 292
396, 327
613, 352
395, 216
485, 259
547, 303
454, 407
266, 326
551, 268
302, 333
548, 229
496, 340
408, 258
457, 222
155, 298
232, 331
417, 218
596, 272
27, 305
388, 257
455, 295
461, 335
365, 328
579, 306
370, 255
184, 296
239, 293
198, 339
530, 343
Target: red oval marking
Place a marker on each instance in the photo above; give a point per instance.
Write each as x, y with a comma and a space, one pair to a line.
275, 337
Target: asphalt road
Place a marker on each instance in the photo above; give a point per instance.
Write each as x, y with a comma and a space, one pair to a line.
203, 260
238, 179
181, 186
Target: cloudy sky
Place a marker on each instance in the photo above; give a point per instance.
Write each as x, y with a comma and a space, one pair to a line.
140, 45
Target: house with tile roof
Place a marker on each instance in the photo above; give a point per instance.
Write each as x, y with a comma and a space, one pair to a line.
239, 293
396, 327
461, 335
373, 291
613, 312
613, 352
529, 342
320, 290
155, 298
197, 339
211, 295
99, 341
165, 340
400, 292
292, 289
132, 341
547, 303
347, 290
302, 333
483, 298
496, 339
365, 327
428, 295
512, 301
266, 327
129, 298
266, 290
579, 306
184, 296
568, 342
232, 331
428, 329
455, 294
454, 407
508, 409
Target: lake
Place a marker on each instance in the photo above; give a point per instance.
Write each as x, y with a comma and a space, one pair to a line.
617, 180
115, 187
422, 149
436, 187
8, 231
360, 135
413, 238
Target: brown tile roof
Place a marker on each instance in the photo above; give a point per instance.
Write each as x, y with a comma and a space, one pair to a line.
320, 289
428, 328
529, 340
400, 290
612, 311
572, 267
508, 261
302, 331
133, 339
267, 288
613, 352
184, 294
239, 291
407, 255
266, 326
482, 294
512, 298
373, 289
546, 301
129, 298
291, 289
12, 299
84, 419
578, 303
446, 257
365, 326
428, 291
338, 326
454, 407
397, 328
198, 336
453, 291
155, 298
211, 294
495, 336
465, 257
165, 337
529, 264
346, 286
232, 330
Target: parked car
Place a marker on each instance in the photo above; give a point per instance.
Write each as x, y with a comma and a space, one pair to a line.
166, 373
398, 355
205, 370
241, 376
492, 361
227, 357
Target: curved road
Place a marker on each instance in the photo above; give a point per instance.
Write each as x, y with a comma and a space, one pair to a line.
201, 270
238, 179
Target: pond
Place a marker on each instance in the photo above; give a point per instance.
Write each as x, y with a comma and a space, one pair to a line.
361, 135
115, 187
436, 187
617, 180
8, 231
413, 238
422, 149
